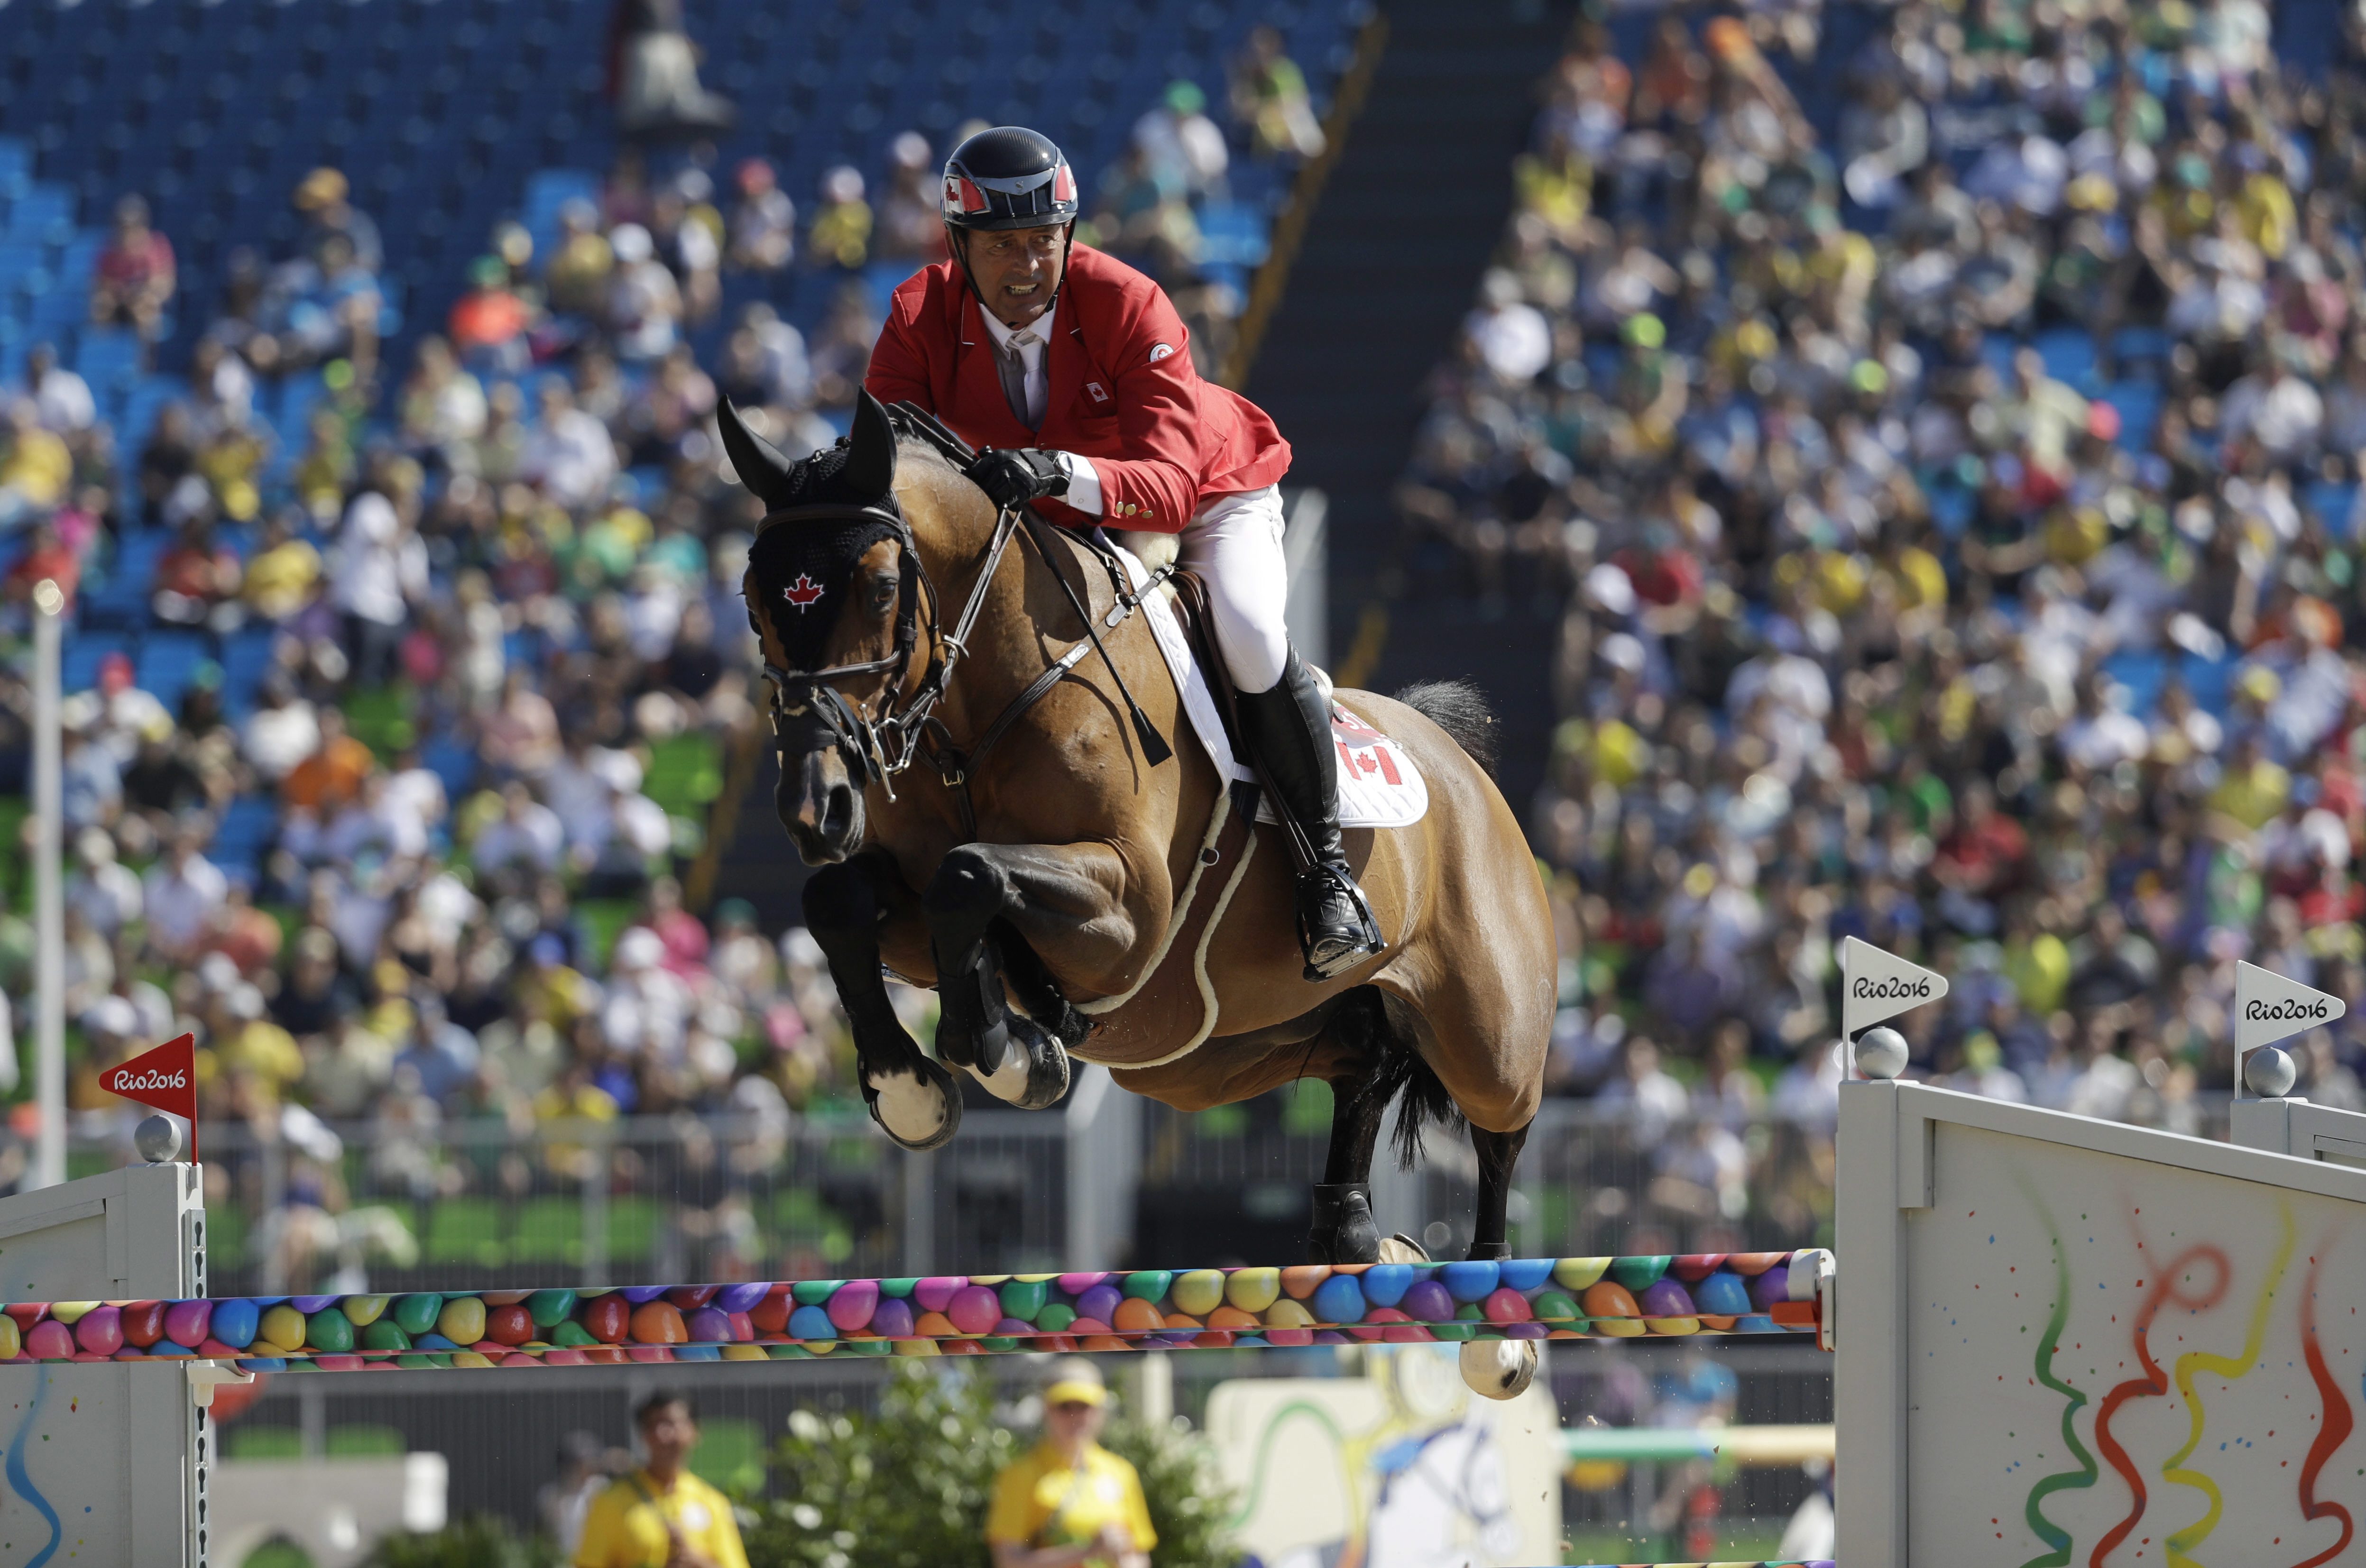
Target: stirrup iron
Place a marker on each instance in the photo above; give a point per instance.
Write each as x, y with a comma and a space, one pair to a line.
1324, 881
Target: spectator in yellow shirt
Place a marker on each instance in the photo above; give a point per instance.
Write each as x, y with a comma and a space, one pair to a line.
661, 1515
35, 465
1070, 1503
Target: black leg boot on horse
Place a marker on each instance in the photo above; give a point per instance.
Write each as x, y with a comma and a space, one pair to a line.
1019, 1061
913, 1101
1287, 730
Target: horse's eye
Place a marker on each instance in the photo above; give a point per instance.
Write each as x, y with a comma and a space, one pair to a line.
883, 593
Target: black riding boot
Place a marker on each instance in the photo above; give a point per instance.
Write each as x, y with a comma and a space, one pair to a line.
1289, 730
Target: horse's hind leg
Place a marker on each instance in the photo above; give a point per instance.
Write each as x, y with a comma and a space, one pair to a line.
1344, 1230
1498, 1153
1380, 1063
912, 1098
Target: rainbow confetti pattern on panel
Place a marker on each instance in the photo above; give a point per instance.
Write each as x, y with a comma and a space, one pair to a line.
1555, 1298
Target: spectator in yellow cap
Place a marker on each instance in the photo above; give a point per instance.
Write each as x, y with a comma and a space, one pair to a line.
1070, 1503
325, 200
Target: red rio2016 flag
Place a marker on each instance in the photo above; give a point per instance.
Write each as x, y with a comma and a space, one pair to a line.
165, 1078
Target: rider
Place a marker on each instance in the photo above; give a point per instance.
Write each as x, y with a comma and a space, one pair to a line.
1076, 376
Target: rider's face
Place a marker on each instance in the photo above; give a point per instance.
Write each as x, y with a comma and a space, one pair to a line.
1017, 270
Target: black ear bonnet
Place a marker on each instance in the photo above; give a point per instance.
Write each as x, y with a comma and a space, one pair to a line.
826, 513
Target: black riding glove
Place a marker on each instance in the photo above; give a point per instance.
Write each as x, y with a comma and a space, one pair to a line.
1012, 477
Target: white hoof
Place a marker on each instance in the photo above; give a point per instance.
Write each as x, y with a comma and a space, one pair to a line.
1403, 1248
919, 1114
1008, 1081
1499, 1369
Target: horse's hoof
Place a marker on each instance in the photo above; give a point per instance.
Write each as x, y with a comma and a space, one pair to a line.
1403, 1248
920, 1111
1499, 1369
1344, 1230
1033, 1077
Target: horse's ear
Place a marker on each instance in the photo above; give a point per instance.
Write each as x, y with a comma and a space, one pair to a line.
758, 463
870, 455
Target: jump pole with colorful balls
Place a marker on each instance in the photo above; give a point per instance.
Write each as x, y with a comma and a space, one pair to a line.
1531, 1299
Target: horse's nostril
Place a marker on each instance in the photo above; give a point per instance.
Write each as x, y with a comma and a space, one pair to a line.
837, 813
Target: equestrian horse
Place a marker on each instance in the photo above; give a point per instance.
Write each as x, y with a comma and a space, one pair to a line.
975, 726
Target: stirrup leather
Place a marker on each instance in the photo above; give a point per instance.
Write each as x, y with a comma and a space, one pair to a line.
1322, 887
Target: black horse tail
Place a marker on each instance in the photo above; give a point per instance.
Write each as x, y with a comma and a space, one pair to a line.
1376, 1023
1460, 709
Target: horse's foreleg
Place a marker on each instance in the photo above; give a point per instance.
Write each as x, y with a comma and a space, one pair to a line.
986, 894
916, 1100
1498, 1153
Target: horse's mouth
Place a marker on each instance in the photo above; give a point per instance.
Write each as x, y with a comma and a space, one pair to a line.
829, 835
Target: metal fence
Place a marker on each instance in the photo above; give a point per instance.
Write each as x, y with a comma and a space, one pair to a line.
360, 1205
1107, 1180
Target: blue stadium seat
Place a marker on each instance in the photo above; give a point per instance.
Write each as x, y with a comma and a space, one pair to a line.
2139, 405
108, 357
121, 599
168, 661
80, 655
454, 762
19, 260
1232, 235
2332, 502
2069, 355
246, 660
247, 827
36, 214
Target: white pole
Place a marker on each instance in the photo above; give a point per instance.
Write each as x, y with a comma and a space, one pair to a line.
48, 893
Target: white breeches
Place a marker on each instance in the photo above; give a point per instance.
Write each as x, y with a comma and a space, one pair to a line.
1234, 542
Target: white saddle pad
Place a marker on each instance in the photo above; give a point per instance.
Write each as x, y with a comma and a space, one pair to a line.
1379, 785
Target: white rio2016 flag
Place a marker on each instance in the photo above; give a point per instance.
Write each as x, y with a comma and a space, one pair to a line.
1875, 985
2268, 1007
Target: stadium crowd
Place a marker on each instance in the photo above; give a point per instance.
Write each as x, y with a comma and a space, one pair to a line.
465, 669
1946, 486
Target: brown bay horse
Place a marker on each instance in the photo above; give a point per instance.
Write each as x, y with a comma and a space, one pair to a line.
1030, 864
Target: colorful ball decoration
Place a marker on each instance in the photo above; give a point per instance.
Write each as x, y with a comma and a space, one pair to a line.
759, 1320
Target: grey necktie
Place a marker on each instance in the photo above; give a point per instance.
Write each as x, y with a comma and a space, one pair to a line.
1013, 368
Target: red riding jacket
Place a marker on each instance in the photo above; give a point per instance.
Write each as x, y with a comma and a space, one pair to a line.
1122, 390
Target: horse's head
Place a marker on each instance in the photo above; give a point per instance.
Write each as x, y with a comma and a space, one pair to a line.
833, 593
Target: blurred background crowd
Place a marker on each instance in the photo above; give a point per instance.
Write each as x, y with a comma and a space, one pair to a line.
1938, 431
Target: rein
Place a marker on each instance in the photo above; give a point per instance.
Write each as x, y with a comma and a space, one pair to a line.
877, 748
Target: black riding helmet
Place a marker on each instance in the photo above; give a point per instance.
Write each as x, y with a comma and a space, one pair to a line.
1008, 177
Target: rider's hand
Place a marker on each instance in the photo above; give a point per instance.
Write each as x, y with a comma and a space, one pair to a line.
1012, 477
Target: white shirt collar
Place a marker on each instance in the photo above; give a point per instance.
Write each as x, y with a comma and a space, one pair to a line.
1037, 330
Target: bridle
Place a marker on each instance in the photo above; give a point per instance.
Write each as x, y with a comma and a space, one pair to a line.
878, 747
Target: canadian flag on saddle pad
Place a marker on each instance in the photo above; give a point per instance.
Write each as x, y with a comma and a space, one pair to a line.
1379, 786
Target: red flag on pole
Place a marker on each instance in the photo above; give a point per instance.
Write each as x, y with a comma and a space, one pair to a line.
165, 1078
